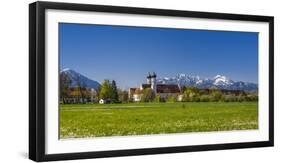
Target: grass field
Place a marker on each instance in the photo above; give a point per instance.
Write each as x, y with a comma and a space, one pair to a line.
96, 120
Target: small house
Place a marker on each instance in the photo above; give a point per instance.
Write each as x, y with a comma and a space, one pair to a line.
104, 101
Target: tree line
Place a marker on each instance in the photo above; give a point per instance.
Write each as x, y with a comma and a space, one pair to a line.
82, 94
78, 94
110, 92
193, 94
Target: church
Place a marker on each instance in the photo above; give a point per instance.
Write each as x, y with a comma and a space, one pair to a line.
163, 90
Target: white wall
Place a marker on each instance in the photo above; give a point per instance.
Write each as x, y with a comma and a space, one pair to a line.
14, 79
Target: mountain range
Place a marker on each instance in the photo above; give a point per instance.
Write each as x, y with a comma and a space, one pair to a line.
218, 81
183, 80
73, 75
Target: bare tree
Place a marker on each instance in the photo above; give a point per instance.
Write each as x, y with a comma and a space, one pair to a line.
81, 87
65, 83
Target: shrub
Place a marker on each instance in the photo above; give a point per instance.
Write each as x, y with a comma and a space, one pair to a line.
185, 98
241, 98
252, 97
205, 98
216, 95
195, 99
230, 98
172, 99
148, 95
158, 98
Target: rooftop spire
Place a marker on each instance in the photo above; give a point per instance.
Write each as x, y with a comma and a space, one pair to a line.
154, 75
149, 75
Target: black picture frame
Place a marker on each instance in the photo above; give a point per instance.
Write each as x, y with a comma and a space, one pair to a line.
37, 80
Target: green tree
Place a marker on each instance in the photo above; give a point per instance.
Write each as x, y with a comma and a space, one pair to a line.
123, 96
185, 98
186, 95
158, 98
252, 97
241, 98
216, 95
148, 95
194, 97
172, 99
230, 98
205, 98
191, 95
106, 90
114, 90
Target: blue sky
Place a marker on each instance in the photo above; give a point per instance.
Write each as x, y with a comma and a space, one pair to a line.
127, 54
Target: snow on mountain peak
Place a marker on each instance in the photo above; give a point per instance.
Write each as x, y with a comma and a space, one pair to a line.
182, 75
65, 69
73, 75
218, 76
221, 77
219, 81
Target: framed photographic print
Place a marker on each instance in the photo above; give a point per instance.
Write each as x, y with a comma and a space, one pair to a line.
111, 81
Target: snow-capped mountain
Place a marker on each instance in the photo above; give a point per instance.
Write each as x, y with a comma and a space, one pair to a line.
73, 75
219, 81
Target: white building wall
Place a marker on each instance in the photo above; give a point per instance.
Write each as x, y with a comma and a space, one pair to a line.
153, 84
136, 98
166, 95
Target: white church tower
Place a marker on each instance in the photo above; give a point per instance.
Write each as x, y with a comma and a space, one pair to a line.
148, 79
153, 81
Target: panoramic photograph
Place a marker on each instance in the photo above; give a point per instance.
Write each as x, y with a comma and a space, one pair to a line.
132, 81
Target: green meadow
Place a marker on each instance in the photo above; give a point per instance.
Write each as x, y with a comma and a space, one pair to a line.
97, 120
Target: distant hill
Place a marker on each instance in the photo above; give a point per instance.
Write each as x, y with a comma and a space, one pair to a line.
219, 81
89, 83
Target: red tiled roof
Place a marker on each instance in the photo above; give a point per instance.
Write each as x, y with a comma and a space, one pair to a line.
167, 88
161, 88
146, 86
132, 90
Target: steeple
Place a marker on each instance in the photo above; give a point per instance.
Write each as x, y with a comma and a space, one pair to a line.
149, 75
148, 79
153, 75
153, 81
